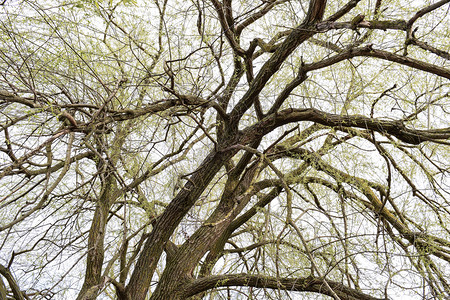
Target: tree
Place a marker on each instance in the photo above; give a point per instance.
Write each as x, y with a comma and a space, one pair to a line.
224, 150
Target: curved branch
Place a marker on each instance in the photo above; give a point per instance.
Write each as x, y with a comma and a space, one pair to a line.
293, 40
55, 167
167, 222
299, 284
368, 51
18, 162
227, 28
395, 128
426, 47
257, 15
344, 10
410, 62
426, 10
370, 24
436, 246
10, 97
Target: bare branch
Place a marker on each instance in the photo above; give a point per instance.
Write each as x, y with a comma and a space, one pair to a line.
301, 284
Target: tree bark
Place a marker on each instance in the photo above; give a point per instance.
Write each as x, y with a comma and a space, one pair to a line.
302, 284
169, 220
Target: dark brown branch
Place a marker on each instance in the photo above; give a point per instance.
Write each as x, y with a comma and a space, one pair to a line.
425, 46
10, 97
169, 220
56, 167
395, 128
301, 77
368, 51
66, 116
426, 10
410, 62
344, 10
369, 24
228, 30
293, 40
128, 114
315, 11
6, 171
300, 284
12, 283
257, 15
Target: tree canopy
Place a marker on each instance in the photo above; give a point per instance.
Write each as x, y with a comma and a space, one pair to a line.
206, 149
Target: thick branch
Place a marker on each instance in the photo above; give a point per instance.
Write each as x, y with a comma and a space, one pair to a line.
395, 128
344, 10
426, 10
257, 15
293, 40
12, 283
368, 51
372, 24
169, 220
425, 46
410, 62
227, 28
10, 97
300, 284
315, 11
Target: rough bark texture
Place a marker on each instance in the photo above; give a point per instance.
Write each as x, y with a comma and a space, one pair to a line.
169, 220
254, 145
306, 284
180, 205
